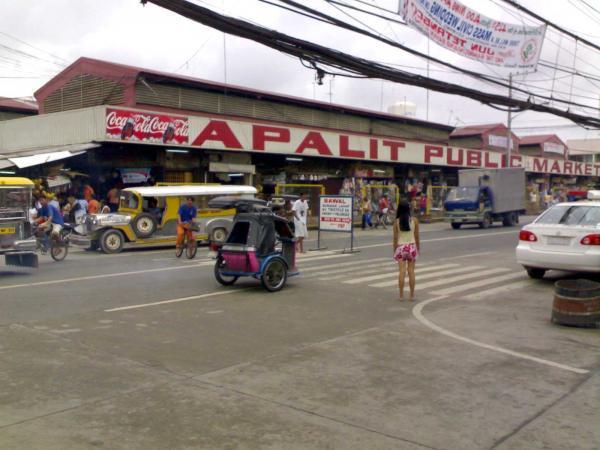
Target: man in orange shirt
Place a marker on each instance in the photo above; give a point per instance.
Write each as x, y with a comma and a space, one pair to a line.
93, 205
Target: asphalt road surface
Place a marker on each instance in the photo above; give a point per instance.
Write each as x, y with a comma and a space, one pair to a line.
143, 350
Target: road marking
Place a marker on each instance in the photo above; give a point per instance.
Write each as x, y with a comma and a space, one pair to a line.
385, 284
499, 290
477, 284
417, 312
371, 268
451, 238
319, 258
107, 275
345, 264
178, 300
470, 255
395, 274
476, 274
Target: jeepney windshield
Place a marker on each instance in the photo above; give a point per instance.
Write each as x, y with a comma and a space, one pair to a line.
129, 200
14, 197
463, 193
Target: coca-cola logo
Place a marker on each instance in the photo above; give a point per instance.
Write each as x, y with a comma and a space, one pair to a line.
130, 125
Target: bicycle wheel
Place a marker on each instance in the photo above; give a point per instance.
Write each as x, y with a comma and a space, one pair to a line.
58, 251
178, 251
191, 248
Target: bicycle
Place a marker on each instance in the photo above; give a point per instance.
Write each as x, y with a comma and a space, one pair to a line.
190, 245
58, 245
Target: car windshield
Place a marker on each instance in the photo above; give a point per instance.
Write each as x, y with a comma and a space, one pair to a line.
571, 215
463, 193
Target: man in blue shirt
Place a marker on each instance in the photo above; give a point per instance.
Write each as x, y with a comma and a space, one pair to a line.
51, 220
185, 218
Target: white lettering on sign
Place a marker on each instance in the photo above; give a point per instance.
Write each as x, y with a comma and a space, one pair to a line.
335, 213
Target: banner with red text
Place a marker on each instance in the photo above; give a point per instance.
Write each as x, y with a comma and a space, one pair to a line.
145, 127
462, 30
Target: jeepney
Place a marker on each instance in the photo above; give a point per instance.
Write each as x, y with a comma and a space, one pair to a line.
17, 243
147, 217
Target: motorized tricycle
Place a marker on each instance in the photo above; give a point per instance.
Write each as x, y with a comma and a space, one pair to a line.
260, 245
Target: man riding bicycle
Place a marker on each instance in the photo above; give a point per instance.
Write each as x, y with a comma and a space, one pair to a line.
50, 220
185, 219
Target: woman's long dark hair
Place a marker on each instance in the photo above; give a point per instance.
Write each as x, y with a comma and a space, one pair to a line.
403, 215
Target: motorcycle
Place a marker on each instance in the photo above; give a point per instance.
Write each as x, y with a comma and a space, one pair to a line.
55, 244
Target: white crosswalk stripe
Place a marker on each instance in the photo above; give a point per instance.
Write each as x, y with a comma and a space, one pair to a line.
394, 274
499, 290
429, 276
365, 267
335, 264
478, 284
387, 269
469, 276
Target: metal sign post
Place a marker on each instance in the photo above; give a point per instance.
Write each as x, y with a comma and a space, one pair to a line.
336, 214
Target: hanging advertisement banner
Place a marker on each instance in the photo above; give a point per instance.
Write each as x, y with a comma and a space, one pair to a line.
144, 127
134, 176
462, 30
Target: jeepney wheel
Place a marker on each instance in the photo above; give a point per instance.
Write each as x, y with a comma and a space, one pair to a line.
59, 251
274, 275
112, 241
219, 235
223, 279
456, 225
145, 225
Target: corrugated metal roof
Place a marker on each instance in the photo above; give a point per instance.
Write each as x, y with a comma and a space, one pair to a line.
475, 130
15, 104
128, 75
539, 139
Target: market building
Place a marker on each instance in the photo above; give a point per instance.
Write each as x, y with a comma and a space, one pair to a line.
116, 124
12, 108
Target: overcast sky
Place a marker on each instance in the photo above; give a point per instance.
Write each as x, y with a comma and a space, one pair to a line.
38, 38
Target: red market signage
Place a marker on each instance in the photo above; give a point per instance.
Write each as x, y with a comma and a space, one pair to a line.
146, 127
239, 135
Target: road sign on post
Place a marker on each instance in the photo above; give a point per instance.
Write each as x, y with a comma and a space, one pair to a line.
335, 214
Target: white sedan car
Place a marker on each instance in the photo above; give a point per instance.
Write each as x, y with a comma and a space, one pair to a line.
564, 237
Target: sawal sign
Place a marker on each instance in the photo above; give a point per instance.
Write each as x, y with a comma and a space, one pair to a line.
335, 213
462, 30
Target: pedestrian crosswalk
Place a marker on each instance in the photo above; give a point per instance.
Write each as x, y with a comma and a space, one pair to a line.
472, 281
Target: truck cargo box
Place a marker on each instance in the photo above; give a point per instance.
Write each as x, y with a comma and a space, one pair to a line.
507, 186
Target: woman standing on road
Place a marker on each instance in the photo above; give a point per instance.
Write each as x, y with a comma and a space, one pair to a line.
406, 246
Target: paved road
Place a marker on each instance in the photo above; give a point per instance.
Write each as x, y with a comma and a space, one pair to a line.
142, 350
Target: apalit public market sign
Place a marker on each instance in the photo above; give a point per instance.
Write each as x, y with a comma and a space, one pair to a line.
267, 137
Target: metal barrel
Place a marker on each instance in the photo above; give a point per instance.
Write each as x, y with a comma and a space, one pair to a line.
576, 303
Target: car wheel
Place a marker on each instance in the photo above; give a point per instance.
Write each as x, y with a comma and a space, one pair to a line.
274, 275
219, 235
145, 225
535, 273
223, 279
112, 241
456, 226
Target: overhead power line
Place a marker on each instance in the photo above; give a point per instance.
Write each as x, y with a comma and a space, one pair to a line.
518, 6
316, 55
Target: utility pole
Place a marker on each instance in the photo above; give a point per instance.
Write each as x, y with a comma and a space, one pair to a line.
509, 125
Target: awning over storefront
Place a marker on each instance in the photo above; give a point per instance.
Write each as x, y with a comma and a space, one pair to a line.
35, 157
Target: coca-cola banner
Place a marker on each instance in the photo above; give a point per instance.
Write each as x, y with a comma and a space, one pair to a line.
146, 127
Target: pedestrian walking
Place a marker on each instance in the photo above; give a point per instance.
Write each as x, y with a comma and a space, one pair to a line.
382, 211
366, 209
300, 210
406, 246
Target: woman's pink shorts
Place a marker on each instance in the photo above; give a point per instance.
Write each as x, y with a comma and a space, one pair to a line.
406, 252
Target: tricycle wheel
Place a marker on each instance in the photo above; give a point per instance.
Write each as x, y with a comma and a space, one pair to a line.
223, 279
274, 275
